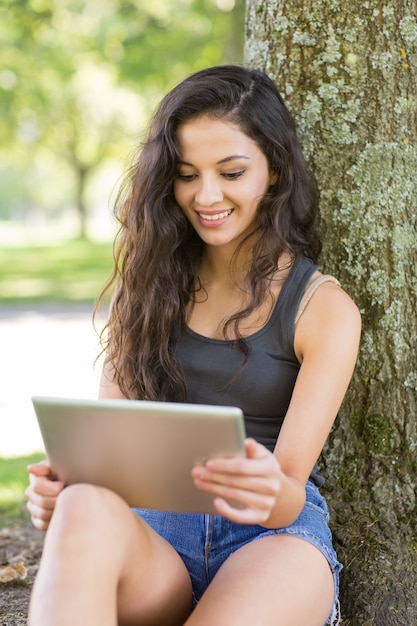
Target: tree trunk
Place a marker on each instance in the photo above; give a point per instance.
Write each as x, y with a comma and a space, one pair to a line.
348, 72
81, 207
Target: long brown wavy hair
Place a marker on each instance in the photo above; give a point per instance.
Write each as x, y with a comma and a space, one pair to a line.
157, 252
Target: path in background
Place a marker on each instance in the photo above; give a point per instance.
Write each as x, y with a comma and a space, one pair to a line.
42, 352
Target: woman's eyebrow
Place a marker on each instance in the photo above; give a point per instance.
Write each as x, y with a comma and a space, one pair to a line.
232, 157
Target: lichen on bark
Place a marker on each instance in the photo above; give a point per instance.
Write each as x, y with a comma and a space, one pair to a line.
348, 72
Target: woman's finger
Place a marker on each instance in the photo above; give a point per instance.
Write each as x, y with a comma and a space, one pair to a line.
40, 469
259, 461
264, 485
43, 501
246, 499
44, 486
241, 515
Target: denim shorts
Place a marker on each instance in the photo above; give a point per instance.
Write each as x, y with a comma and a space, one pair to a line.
205, 541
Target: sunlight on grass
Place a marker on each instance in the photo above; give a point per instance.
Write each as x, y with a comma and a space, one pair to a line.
73, 272
13, 482
25, 287
10, 493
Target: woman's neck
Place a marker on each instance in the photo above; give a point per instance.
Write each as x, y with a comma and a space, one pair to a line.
223, 291
221, 263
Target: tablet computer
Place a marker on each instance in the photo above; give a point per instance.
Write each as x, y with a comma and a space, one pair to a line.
142, 450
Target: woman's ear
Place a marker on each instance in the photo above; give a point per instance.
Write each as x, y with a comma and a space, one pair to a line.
273, 177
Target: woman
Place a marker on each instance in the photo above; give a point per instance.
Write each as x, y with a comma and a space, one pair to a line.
217, 300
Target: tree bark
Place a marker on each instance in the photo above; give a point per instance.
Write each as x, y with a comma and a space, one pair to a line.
81, 207
348, 72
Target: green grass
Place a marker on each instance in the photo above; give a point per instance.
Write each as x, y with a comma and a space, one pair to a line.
71, 272
13, 482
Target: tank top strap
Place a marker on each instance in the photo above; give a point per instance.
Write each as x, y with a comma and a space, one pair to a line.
309, 292
281, 324
294, 287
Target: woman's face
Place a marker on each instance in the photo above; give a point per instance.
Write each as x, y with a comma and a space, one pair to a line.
222, 175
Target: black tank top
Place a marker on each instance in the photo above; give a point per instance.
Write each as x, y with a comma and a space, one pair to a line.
262, 388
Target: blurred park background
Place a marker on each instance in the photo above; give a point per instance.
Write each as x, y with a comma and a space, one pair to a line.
79, 80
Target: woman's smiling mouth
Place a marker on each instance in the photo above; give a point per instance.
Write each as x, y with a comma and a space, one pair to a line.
214, 216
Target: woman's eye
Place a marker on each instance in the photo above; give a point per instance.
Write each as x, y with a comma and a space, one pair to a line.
187, 178
233, 175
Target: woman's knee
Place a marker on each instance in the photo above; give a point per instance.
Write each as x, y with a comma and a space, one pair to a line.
87, 510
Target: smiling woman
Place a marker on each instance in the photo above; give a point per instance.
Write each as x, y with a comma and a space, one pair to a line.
222, 175
217, 251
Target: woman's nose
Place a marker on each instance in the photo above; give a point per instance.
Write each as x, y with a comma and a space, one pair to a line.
208, 192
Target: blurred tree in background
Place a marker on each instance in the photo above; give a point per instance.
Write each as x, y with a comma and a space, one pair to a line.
78, 80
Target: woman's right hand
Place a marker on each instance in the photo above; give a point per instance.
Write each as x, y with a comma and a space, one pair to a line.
42, 493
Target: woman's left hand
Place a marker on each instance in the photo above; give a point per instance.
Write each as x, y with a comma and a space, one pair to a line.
252, 483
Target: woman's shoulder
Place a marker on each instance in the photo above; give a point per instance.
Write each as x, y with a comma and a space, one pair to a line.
316, 280
326, 290
326, 308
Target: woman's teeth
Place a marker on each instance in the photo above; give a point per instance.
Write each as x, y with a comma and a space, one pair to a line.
216, 216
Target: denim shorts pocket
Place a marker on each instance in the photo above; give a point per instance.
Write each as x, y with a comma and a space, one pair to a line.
315, 501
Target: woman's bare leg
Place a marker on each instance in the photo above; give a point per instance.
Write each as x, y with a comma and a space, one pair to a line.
102, 565
274, 581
